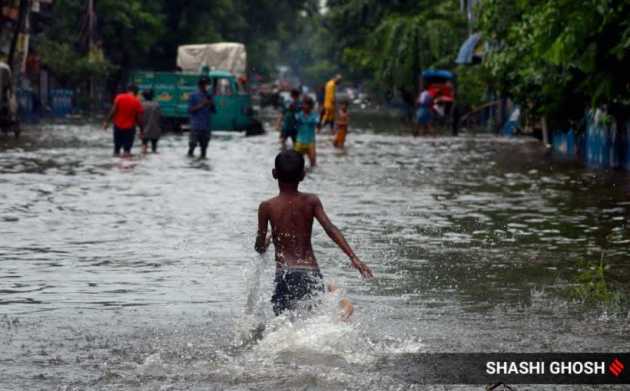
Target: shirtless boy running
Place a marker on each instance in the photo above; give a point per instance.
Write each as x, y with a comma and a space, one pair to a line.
291, 214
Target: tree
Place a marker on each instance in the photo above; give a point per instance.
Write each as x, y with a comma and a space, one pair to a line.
557, 57
145, 33
70, 67
394, 41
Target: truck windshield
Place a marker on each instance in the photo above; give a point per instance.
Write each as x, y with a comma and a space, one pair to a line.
223, 87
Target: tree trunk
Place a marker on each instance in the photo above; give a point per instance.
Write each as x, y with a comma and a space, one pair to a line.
23, 11
545, 132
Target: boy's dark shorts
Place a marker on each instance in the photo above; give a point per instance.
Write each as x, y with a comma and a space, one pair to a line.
295, 286
289, 133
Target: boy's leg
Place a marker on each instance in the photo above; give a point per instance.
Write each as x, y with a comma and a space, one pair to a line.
283, 140
312, 155
332, 127
283, 137
345, 305
145, 144
192, 142
117, 141
340, 137
203, 143
154, 143
128, 141
345, 309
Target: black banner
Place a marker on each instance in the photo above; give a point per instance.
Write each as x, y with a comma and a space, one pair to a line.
510, 368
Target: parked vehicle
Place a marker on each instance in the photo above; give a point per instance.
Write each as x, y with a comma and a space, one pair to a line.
441, 86
234, 111
8, 102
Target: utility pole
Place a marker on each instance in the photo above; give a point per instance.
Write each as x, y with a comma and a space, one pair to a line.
91, 24
469, 16
22, 14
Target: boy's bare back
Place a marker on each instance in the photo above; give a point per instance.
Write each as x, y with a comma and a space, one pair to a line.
291, 217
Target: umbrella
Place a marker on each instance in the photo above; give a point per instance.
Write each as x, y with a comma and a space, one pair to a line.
467, 51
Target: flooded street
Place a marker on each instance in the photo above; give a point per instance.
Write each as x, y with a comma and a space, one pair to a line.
141, 274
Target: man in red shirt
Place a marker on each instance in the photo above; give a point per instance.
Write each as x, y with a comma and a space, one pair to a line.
126, 114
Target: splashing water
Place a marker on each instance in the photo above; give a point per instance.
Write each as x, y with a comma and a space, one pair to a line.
140, 274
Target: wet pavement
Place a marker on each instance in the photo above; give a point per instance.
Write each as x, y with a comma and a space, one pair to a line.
140, 274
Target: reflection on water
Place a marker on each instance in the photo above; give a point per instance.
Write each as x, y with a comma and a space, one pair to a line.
141, 274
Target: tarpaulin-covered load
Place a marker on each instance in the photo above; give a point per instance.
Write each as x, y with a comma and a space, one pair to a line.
224, 56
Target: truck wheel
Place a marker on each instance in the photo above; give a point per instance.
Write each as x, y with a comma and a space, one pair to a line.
255, 129
177, 127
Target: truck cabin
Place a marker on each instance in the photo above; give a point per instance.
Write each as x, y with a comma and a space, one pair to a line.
224, 83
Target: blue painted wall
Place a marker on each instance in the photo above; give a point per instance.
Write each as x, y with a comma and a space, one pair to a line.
61, 104
599, 146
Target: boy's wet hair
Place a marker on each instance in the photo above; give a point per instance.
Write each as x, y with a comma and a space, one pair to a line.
308, 101
132, 88
295, 93
289, 167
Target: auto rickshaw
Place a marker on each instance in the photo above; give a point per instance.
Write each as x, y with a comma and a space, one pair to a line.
8, 102
441, 86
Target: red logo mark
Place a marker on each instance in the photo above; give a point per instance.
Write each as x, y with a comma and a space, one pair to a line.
616, 367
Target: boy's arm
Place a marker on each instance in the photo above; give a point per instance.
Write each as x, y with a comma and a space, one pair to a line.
279, 121
263, 221
335, 234
110, 116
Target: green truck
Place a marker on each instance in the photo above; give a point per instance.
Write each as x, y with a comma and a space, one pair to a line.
234, 111
221, 62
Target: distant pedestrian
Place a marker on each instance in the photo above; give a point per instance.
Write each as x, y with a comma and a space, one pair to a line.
306, 124
126, 114
423, 113
200, 107
152, 119
287, 121
327, 116
342, 126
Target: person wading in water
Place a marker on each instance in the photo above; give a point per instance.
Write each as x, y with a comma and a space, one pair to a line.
126, 114
200, 107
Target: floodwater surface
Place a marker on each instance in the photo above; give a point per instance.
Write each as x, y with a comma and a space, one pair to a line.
141, 275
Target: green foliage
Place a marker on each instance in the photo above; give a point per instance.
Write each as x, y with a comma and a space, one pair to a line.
70, 67
471, 85
318, 71
145, 33
557, 57
394, 41
592, 288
